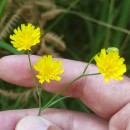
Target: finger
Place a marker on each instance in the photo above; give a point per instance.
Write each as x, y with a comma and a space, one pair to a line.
66, 120
102, 98
37, 123
121, 120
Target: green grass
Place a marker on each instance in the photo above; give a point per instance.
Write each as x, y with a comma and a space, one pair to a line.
89, 26
2, 8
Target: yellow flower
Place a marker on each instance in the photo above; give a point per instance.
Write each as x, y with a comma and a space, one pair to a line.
26, 37
110, 65
48, 69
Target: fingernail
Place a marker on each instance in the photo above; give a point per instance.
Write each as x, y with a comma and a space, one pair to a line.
35, 123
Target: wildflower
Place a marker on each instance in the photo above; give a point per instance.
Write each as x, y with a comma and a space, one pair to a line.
110, 65
26, 37
48, 69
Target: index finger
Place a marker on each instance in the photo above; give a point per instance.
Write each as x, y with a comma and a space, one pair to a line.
103, 98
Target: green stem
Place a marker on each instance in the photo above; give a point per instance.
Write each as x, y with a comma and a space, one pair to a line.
36, 84
33, 75
65, 87
89, 63
39, 98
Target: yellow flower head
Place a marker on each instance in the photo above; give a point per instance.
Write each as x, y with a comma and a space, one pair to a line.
48, 69
26, 37
110, 65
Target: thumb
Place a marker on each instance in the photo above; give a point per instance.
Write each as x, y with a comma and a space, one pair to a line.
35, 123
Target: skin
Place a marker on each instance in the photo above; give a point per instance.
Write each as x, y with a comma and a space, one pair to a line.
110, 101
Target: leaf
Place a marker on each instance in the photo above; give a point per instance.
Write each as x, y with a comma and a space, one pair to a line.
3, 4
8, 47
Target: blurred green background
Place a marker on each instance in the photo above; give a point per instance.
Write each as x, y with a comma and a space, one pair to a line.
72, 29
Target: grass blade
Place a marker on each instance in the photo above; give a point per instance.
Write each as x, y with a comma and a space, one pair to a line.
3, 4
8, 47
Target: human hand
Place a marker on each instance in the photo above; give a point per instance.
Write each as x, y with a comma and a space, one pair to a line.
110, 101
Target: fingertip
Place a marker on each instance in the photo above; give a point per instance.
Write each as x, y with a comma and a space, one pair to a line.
35, 123
15, 69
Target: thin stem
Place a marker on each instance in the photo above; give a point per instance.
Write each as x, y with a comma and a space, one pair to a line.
89, 63
39, 98
33, 75
36, 84
65, 87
